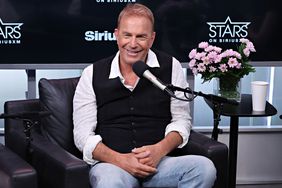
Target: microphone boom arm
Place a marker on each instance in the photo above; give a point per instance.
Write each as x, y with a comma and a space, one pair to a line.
210, 97
217, 102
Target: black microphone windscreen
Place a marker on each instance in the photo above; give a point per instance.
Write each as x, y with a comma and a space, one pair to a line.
139, 67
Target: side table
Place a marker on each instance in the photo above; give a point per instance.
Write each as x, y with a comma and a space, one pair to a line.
243, 109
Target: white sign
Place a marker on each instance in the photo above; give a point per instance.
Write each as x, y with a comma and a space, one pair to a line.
99, 36
227, 31
10, 33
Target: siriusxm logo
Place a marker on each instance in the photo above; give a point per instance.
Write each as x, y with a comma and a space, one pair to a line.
10, 33
227, 31
99, 36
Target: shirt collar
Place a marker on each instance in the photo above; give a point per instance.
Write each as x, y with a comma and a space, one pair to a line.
152, 61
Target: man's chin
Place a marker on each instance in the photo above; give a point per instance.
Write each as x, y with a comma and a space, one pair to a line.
132, 60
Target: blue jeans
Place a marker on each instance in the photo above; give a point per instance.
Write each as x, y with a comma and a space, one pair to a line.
191, 171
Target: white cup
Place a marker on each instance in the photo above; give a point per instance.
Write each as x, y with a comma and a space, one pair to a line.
259, 90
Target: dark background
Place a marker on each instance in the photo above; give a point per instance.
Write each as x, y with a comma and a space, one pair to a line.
54, 30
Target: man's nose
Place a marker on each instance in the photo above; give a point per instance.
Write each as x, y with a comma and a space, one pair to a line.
133, 42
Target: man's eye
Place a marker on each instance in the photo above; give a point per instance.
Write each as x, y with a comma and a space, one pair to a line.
126, 36
142, 38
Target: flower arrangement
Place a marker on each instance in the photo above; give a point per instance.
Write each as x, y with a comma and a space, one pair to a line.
211, 62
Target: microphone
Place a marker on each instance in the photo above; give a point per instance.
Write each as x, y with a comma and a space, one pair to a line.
26, 115
142, 69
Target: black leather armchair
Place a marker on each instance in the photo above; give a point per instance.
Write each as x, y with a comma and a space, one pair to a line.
54, 155
14, 171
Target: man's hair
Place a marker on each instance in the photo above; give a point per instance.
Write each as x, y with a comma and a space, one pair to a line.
136, 9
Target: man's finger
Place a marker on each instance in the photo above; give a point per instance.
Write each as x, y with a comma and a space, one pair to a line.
145, 161
138, 150
148, 169
142, 155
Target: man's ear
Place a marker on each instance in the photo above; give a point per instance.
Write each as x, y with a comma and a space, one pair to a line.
116, 32
152, 39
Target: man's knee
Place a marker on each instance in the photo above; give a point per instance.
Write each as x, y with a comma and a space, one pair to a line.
206, 171
106, 175
202, 173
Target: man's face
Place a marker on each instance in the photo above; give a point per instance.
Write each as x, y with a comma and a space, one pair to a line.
135, 37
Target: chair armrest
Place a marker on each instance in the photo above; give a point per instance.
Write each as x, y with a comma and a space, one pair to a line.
200, 144
56, 167
17, 106
14, 171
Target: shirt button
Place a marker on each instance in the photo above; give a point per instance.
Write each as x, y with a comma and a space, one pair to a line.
131, 108
134, 130
134, 142
132, 123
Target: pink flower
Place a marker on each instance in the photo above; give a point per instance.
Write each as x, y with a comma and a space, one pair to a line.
251, 47
246, 51
239, 66
192, 63
199, 56
212, 55
229, 53
237, 55
212, 69
203, 45
211, 62
232, 62
218, 59
192, 54
243, 40
206, 60
217, 49
201, 67
223, 67
209, 48
194, 71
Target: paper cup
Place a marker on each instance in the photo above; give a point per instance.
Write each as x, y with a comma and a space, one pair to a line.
259, 91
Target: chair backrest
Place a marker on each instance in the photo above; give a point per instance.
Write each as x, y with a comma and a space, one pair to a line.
56, 96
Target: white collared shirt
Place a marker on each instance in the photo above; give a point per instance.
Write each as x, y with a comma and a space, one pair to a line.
85, 109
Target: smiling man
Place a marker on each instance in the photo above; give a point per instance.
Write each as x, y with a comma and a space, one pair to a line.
124, 126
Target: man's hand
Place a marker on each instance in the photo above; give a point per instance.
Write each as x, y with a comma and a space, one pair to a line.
126, 161
131, 164
149, 155
152, 154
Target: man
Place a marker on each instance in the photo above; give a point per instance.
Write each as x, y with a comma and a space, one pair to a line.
124, 126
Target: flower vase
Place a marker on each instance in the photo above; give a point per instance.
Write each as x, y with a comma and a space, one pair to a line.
228, 87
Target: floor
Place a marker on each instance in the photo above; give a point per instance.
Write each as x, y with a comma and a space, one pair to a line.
260, 186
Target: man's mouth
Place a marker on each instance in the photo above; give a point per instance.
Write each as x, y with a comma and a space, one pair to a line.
132, 52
